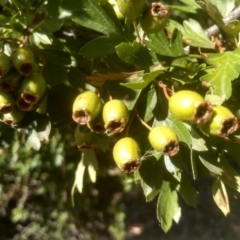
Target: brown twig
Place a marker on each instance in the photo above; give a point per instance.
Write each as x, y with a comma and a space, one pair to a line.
165, 89
141, 120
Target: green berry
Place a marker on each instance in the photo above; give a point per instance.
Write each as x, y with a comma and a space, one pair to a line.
11, 81
13, 118
86, 107
115, 115
6, 102
189, 106
24, 61
131, 9
222, 124
5, 64
84, 137
154, 19
164, 140
126, 154
31, 91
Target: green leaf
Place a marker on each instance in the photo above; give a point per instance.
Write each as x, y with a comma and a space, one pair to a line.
173, 166
38, 38
214, 99
198, 143
224, 6
79, 176
151, 102
94, 15
56, 57
151, 172
210, 162
59, 104
136, 54
220, 196
229, 176
213, 11
160, 44
167, 206
187, 191
33, 141
195, 36
98, 47
226, 69
54, 74
141, 83
191, 6
88, 161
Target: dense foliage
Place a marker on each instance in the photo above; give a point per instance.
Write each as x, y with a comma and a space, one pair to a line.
79, 76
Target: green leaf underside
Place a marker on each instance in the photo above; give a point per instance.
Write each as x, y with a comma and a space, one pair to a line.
88, 162
167, 206
195, 35
226, 69
187, 191
151, 172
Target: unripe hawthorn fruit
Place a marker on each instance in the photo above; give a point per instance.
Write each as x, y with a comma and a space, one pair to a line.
13, 118
186, 105
84, 137
24, 61
6, 102
31, 91
86, 107
131, 9
115, 115
97, 124
164, 140
154, 19
11, 81
5, 64
126, 154
222, 124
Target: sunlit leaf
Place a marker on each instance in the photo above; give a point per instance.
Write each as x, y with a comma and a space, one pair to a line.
167, 206
226, 69
220, 196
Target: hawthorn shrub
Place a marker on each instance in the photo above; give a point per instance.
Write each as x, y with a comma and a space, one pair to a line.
106, 71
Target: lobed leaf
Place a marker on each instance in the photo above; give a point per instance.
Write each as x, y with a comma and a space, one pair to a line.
226, 68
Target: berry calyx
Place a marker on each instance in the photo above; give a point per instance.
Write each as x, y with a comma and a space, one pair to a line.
115, 115
187, 105
154, 19
32, 89
24, 61
126, 154
86, 107
84, 137
131, 9
222, 124
164, 140
5, 64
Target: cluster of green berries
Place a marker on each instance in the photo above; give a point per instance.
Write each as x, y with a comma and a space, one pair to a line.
21, 86
92, 116
153, 17
191, 107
